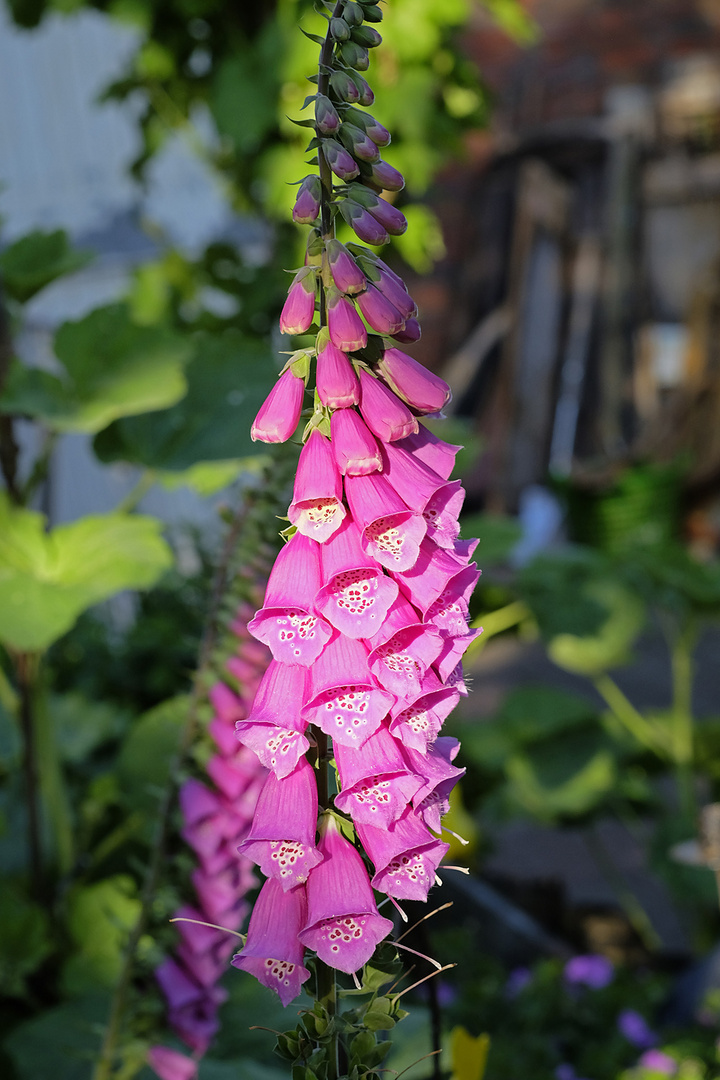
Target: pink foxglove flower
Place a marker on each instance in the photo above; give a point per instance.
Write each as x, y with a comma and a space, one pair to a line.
344, 700
397, 294
299, 309
340, 160
357, 594
410, 332
364, 225
287, 623
386, 177
273, 952
390, 532
336, 382
431, 801
317, 508
405, 855
274, 729
403, 650
343, 924
355, 449
169, 1064
282, 837
423, 391
383, 412
431, 576
347, 330
417, 724
279, 414
376, 781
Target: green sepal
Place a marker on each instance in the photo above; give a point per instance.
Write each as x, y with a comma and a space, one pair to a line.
322, 340
301, 365
308, 100
287, 534
301, 123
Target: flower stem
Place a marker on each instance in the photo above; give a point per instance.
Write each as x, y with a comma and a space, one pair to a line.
26, 670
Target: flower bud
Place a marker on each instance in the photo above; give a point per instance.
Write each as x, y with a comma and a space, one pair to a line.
337, 384
347, 330
356, 451
379, 134
396, 293
299, 308
326, 115
346, 274
339, 159
366, 36
358, 143
365, 94
386, 177
279, 414
411, 332
379, 312
344, 87
423, 391
363, 223
307, 201
389, 216
372, 12
355, 56
382, 410
353, 14
339, 29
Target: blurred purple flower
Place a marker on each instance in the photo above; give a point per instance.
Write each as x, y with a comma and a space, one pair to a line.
635, 1029
593, 971
657, 1061
566, 1072
517, 980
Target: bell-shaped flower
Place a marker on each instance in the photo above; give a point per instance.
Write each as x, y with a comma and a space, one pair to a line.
279, 414
317, 508
391, 533
336, 382
403, 650
287, 623
221, 895
169, 1064
339, 159
376, 782
307, 200
343, 924
345, 272
451, 609
432, 451
434, 571
299, 308
356, 593
452, 652
235, 777
440, 501
411, 332
378, 311
274, 729
346, 328
405, 856
417, 723
384, 413
386, 177
192, 1009
326, 115
432, 800
282, 836
362, 222
273, 952
423, 391
345, 702
355, 449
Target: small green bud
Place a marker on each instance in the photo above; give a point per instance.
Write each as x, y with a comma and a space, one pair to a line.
366, 36
355, 56
364, 91
339, 30
353, 13
373, 12
344, 87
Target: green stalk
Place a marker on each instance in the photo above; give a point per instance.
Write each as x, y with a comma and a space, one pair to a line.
646, 733
682, 718
26, 671
494, 623
52, 782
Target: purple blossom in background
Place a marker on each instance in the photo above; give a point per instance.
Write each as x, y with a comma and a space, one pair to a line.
566, 1072
659, 1062
635, 1029
517, 980
594, 971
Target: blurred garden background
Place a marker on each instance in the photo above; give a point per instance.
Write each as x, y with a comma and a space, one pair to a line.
562, 160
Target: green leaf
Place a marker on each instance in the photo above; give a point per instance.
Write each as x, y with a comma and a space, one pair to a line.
111, 367
245, 89
35, 260
228, 379
147, 754
81, 725
209, 477
48, 578
24, 940
100, 917
60, 1043
610, 646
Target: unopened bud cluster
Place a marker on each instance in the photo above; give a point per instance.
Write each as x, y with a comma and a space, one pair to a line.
366, 609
